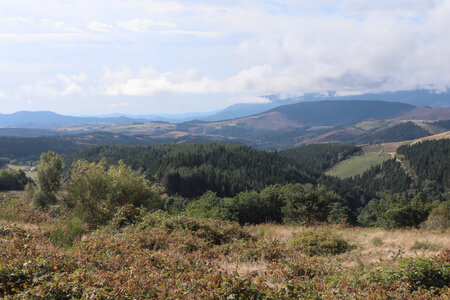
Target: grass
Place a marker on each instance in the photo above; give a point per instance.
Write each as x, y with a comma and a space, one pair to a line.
162, 256
367, 125
357, 165
377, 241
32, 175
424, 245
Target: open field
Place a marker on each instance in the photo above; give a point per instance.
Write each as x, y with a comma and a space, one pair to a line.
32, 175
357, 165
162, 256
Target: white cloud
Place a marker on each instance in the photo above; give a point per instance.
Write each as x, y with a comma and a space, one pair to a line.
16, 20
235, 48
138, 25
37, 37
160, 7
100, 27
52, 24
143, 25
256, 80
60, 85
2, 95
193, 33
57, 25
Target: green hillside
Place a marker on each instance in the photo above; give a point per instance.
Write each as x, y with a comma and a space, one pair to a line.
357, 165
430, 161
400, 132
192, 169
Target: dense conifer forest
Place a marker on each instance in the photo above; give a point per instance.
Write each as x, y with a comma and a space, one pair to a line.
400, 132
321, 157
192, 169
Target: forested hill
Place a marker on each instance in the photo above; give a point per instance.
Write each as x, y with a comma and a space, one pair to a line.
423, 167
30, 148
430, 161
341, 112
320, 157
192, 169
400, 132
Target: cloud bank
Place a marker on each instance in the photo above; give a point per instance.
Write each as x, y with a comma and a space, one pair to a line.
227, 50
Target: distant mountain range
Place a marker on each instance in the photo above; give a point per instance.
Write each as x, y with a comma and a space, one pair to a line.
420, 97
50, 120
281, 127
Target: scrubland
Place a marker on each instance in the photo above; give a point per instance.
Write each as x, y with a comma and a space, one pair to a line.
141, 254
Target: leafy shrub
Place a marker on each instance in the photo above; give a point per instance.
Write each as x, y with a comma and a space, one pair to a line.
439, 217
97, 192
66, 234
209, 205
320, 242
48, 180
216, 232
10, 231
127, 215
424, 273
307, 267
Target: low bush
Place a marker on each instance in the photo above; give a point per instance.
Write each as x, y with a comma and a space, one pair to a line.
439, 217
320, 242
424, 273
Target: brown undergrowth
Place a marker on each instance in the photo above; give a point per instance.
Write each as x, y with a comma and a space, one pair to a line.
162, 256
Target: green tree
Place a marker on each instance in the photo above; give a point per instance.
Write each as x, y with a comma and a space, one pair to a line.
209, 205
96, 191
48, 180
306, 203
439, 217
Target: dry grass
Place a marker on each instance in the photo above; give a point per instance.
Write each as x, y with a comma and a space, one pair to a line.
394, 243
180, 258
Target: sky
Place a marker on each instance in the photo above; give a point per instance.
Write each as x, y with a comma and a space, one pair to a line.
140, 57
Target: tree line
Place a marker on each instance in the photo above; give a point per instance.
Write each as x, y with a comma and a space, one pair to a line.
192, 169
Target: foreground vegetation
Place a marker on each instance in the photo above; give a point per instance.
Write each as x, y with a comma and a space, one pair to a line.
143, 254
103, 230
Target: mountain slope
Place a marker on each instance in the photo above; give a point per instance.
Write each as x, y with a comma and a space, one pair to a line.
333, 113
400, 132
425, 113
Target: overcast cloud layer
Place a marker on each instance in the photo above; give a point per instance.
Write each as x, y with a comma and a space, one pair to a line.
142, 57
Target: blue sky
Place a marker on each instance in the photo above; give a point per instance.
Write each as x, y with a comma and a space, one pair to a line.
142, 56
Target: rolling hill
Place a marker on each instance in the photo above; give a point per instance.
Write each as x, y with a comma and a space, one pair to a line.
333, 113
282, 127
51, 120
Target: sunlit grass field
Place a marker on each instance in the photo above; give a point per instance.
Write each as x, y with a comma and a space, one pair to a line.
357, 165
